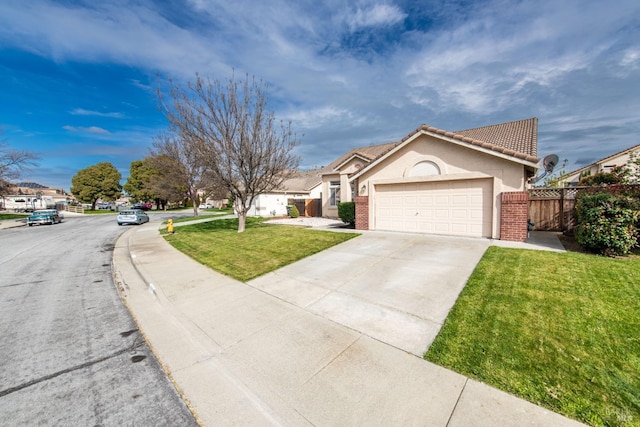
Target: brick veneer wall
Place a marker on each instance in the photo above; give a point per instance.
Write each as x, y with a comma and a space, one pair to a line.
362, 212
514, 215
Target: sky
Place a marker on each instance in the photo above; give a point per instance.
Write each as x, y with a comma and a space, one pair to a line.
78, 79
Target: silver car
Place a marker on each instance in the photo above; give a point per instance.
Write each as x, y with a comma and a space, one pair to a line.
132, 216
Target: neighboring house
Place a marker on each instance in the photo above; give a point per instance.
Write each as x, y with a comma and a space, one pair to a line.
29, 195
303, 185
603, 165
435, 181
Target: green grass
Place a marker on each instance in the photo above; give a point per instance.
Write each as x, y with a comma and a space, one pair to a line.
561, 330
99, 212
6, 216
261, 248
200, 216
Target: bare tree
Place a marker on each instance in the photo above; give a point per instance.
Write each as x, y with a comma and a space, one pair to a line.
12, 164
182, 167
244, 148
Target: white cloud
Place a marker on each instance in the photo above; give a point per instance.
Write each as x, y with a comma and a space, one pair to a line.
323, 116
456, 67
83, 112
375, 15
90, 129
631, 58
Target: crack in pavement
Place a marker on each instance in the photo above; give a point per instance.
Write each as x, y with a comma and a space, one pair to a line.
71, 369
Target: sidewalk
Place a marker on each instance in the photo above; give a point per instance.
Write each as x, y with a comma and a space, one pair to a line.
241, 356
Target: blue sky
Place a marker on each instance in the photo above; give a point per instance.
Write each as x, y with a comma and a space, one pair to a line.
78, 78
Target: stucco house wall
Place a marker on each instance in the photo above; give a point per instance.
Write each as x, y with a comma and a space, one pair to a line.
602, 165
435, 181
455, 163
272, 204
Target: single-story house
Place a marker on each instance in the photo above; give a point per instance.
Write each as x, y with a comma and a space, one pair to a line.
466, 183
302, 185
603, 165
30, 195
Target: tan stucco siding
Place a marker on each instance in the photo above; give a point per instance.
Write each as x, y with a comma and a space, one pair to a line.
600, 166
451, 159
454, 161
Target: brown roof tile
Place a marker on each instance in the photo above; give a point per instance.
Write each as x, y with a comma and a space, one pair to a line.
370, 153
303, 181
518, 139
520, 136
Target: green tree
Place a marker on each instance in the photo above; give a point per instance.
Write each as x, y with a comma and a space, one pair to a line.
142, 174
616, 175
181, 168
101, 181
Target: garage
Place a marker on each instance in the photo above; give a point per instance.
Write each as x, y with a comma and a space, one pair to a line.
459, 208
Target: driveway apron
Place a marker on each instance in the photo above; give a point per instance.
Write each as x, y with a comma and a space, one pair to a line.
396, 288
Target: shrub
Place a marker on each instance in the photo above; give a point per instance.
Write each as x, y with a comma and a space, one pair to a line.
294, 212
606, 222
347, 212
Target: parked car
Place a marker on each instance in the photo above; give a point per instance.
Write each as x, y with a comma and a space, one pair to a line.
205, 206
132, 216
45, 216
142, 206
105, 206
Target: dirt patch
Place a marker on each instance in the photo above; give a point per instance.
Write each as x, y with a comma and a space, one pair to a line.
570, 244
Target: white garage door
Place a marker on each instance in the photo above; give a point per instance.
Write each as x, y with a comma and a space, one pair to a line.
460, 208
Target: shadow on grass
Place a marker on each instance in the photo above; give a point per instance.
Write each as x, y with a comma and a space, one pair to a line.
230, 224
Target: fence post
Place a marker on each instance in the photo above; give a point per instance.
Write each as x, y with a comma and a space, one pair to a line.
562, 193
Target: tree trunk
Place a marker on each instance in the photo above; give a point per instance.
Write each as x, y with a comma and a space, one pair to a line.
194, 202
242, 218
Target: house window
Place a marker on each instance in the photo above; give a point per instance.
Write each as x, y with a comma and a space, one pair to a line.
334, 193
424, 169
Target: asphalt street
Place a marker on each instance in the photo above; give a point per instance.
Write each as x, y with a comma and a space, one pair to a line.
70, 352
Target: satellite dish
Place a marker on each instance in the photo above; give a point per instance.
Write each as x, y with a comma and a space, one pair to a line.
550, 162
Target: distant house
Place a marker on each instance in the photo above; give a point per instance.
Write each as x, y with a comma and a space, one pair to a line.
603, 165
435, 181
32, 195
303, 185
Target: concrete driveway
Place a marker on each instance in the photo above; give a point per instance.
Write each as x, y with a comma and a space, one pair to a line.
396, 288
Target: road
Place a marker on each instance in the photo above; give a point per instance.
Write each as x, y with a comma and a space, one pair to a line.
70, 353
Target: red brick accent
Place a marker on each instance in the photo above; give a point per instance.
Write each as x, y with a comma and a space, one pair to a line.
514, 215
362, 212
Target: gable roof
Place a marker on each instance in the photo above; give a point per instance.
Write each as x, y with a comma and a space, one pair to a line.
368, 153
302, 181
517, 139
520, 136
603, 160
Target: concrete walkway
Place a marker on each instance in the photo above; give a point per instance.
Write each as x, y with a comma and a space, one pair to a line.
335, 339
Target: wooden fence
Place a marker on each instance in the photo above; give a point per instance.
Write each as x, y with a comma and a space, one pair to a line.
70, 208
553, 209
307, 207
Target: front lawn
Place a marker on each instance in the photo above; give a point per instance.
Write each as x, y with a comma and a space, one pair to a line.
561, 330
9, 216
261, 248
206, 215
100, 212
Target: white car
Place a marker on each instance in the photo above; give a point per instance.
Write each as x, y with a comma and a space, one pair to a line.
132, 216
205, 206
